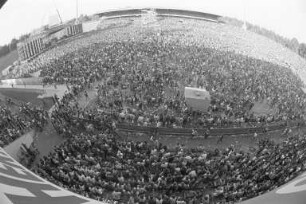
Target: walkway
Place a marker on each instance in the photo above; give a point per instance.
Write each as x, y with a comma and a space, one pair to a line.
49, 138
45, 91
13, 148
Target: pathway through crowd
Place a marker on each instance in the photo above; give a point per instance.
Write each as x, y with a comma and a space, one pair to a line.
49, 138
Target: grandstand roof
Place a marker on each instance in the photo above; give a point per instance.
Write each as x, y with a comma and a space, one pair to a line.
160, 11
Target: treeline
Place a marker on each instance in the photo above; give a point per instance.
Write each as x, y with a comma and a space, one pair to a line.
6, 49
293, 44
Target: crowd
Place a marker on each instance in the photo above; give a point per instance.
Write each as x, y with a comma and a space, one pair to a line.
102, 167
218, 36
143, 83
139, 77
15, 123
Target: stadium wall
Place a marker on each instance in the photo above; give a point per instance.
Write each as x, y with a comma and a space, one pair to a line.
90, 26
23, 81
67, 31
30, 47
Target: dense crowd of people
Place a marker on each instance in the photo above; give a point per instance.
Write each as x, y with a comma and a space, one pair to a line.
143, 83
139, 77
218, 36
15, 123
102, 167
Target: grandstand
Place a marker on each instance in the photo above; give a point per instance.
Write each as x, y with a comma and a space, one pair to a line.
160, 12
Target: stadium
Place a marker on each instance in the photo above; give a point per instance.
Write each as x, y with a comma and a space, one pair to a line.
153, 105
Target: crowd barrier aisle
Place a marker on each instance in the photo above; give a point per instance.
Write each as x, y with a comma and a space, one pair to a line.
212, 132
23, 81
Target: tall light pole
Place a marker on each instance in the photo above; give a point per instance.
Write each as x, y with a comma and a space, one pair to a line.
60, 18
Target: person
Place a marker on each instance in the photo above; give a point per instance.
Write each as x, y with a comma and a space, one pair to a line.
151, 200
159, 200
194, 133
207, 199
172, 199
14, 124
86, 95
131, 200
287, 131
206, 133
255, 136
220, 139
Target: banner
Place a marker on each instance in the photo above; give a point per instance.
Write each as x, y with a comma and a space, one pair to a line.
197, 99
20, 185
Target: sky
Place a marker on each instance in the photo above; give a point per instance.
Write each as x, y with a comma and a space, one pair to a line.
285, 17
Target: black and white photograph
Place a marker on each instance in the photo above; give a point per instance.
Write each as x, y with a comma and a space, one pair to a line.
152, 102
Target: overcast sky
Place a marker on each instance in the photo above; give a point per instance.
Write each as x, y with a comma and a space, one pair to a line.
285, 17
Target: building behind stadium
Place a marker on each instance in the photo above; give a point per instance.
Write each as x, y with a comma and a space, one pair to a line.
45, 37
49, 35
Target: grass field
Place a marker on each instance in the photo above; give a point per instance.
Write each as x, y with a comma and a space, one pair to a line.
8, 60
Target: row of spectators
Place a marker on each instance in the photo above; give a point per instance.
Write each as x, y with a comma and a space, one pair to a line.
102, 167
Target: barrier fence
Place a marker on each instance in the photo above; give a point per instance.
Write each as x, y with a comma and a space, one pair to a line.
212, 131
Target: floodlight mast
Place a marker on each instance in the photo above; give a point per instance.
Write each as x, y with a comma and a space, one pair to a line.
58, 12
59, 16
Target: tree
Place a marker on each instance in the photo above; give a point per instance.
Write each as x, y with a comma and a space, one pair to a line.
4, 50
84, 18
13, 44
294, 45
23, 37
302, 50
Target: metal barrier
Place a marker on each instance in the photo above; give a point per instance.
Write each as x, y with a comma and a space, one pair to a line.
212, 131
